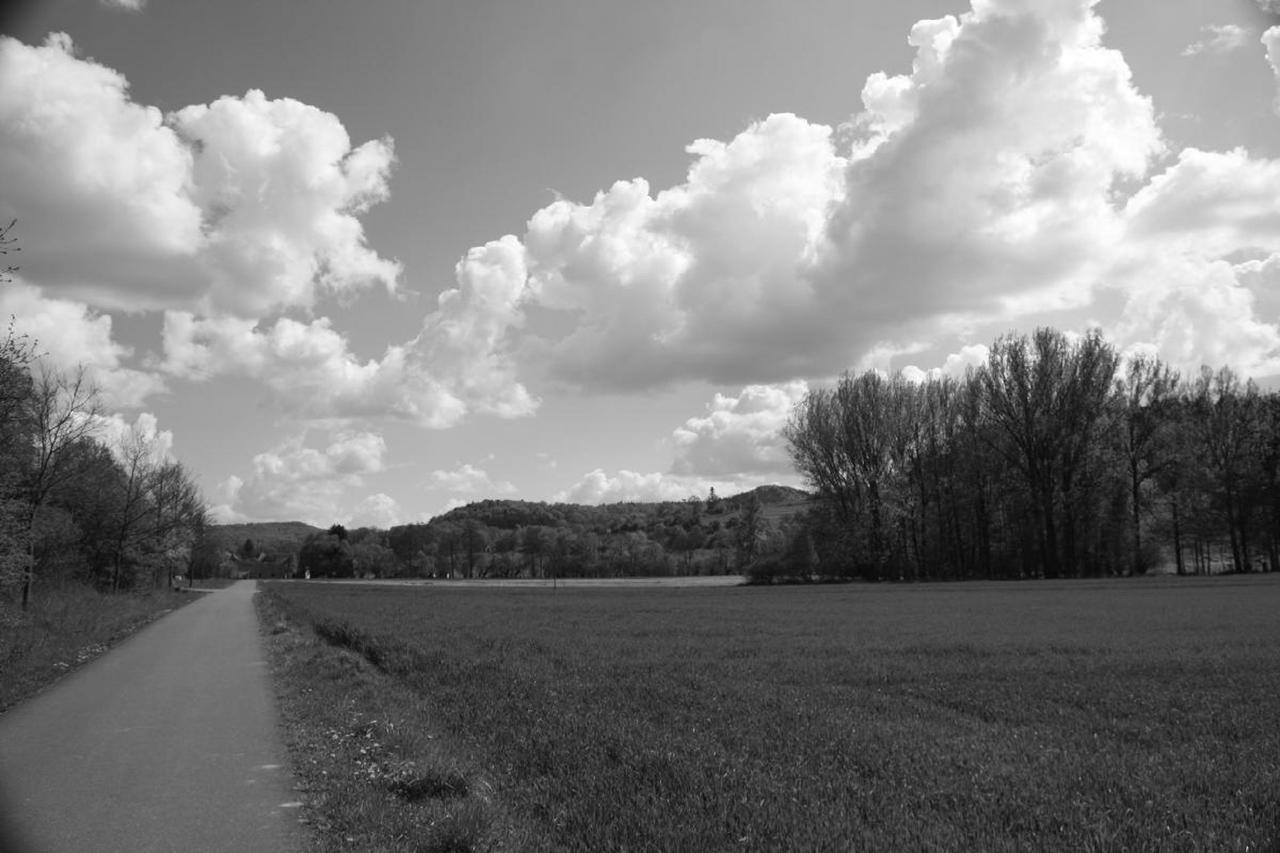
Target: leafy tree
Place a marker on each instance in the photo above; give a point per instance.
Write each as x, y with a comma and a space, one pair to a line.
205, 554
475, 541
534, 544
750, 532
370, 558
409, 541
327, 555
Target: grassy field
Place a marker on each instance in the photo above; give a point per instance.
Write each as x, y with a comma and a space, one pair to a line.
65, 629
1110, 715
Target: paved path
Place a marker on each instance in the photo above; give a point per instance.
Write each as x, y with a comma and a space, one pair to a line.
168, 742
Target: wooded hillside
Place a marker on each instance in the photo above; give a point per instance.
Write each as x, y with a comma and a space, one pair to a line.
508, 538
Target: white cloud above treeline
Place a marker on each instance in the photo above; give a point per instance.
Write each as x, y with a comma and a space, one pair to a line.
377, 510
1013, 176
297, 482
739, 435
737, 445
599, 487
468, 479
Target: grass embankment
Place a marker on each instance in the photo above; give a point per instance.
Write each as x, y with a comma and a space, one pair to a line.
67, 628
375, 772
1136, 715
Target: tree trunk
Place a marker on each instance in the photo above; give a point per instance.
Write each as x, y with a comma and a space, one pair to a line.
1136, 519
1177, 540
877, 533
29, 576
1049, 536
984, 534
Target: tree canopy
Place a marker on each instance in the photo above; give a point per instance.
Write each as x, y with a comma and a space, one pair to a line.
1055, 458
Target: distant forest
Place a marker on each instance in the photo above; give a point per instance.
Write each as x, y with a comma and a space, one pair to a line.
508, 538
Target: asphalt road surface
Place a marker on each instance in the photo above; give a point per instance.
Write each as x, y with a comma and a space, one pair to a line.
167, 742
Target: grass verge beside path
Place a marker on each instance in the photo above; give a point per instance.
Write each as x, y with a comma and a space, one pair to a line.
65, 629
376, 775
1095, 716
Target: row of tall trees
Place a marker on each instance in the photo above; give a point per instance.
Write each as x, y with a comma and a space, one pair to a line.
74, 507
1053, 459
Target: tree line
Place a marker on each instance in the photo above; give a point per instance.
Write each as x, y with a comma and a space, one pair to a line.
1055, 458
73, 508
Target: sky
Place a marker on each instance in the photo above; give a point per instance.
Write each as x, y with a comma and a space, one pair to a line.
363, 263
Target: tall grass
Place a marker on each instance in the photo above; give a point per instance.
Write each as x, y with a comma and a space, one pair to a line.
65, 628
1083, 716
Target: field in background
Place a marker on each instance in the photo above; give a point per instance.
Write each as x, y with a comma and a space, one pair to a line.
550, 584
1103, 715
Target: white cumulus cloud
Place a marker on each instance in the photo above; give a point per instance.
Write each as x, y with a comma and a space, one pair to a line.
955, 365
243, 205
469, 479
295, 481
279, 186
1219, 38
313, 372
1271, 41
1185, 293
737, 445
740, 435
1015, 176
377, 510
1012, 176
68, 334
124, 438
598, 487
981, 185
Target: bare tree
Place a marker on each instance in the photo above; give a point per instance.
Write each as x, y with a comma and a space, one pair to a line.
64, 406
1145, 391
1048, 398
17, 352
1227, 418
159, 511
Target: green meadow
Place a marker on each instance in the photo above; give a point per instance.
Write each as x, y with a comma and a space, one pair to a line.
1078, 715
